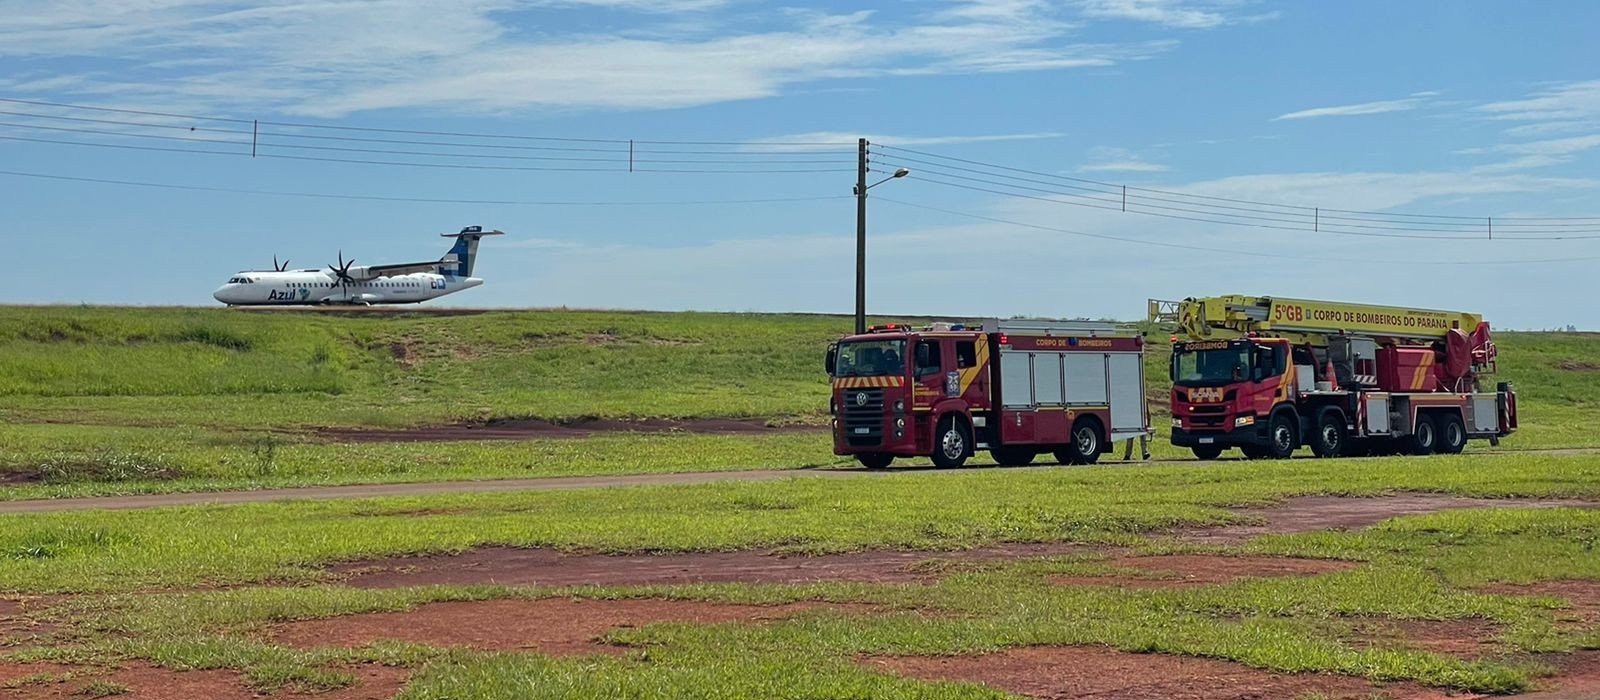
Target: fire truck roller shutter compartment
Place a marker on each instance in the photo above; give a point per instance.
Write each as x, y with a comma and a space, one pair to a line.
1086, 378
1047, 389
1016, 379
1126, 379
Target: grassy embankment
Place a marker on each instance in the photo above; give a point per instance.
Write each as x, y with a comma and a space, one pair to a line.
1422, 567
117, 400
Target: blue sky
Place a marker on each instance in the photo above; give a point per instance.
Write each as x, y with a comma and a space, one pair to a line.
1440, 108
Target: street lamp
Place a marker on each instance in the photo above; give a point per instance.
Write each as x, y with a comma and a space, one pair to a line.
861, 231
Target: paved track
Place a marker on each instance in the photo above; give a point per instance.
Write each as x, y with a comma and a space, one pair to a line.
503, 485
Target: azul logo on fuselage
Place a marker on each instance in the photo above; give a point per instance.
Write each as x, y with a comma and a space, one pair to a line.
300, 294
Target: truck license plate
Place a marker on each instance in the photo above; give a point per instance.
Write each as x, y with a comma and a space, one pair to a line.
1207, 441
862, 431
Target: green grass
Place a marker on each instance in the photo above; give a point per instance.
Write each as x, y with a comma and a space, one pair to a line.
261, 564
1280, 625
68, 460
103, 400
100, 400
939, 510
242, 370
224, 368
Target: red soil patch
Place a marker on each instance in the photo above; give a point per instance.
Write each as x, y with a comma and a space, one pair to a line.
1583, 595
1313, 513
1467, 639
16, 628
13, 672
548, 626
1093, 672
524, 429
1175, 570
521, 567
1577, 678
146, 682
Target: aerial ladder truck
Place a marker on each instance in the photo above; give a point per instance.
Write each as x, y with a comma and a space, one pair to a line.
1269, 374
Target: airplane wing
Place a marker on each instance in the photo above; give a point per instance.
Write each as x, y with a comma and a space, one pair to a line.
402, 268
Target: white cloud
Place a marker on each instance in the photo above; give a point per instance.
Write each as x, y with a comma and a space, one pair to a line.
1553, 127
1378, 191
1536, 154
912, 250
1549, 147
1402, 105
1107, 159
1563, 101
832, 140
1169, 13
329, 58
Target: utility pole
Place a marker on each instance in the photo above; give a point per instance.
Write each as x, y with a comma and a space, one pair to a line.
861, 237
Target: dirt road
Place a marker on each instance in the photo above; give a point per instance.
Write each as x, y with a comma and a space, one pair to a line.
501, 485
414, 489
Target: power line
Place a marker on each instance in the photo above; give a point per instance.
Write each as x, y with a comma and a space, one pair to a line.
1278, 221
143, 112
124, 122
1120, 209
125, 146
104, 132
424, 200
620, 167
269, 140
468, 134
1252, 253
1114, 187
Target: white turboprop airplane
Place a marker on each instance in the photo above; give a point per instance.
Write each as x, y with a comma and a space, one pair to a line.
405, 283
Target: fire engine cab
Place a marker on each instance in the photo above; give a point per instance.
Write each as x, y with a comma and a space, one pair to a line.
1268, 374
1016, 388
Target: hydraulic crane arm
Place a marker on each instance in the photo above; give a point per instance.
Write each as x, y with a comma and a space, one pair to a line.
1304, 320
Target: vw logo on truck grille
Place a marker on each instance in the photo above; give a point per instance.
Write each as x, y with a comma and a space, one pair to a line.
861, 398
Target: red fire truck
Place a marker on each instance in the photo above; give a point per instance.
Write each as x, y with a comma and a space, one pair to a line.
1017, 388
1268, 374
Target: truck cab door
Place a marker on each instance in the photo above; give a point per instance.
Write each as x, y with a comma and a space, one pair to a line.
928, 374
972, 365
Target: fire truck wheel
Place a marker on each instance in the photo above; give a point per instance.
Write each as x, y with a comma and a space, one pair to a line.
952, 444
1085, 445
1452, 434
1013, 456
875, 460
1207, 452
1424, 436
1282, 439
1330, 438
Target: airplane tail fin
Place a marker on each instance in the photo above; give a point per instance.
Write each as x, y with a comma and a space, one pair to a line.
463, 256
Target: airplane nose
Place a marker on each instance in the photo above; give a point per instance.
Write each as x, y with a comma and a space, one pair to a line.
223, 293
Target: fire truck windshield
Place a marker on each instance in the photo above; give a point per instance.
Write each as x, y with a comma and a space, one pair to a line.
864, 358
1210, 363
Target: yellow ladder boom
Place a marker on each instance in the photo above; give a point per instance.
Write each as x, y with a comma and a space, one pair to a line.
1306, 320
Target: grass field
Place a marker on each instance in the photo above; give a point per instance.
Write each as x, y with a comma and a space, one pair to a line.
100, 400
118, 400
132, 578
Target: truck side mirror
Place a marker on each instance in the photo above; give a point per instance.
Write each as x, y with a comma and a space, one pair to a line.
1264, 365
831, 362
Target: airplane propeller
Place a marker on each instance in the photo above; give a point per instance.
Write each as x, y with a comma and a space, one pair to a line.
343, 272
276, 266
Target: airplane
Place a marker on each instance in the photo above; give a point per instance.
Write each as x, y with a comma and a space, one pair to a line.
345, 283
